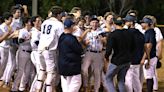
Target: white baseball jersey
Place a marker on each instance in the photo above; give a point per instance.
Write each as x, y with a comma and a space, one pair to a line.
25, 34
51, 29
3, 29
35, 36
78, 32
95, 40
16, 24
158, 34
139, 27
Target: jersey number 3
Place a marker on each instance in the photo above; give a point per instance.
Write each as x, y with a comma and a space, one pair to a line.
47, 29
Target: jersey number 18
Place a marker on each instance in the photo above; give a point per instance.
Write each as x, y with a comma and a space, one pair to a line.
47, 29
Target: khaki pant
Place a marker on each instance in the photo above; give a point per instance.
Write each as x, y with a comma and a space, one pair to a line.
95, 60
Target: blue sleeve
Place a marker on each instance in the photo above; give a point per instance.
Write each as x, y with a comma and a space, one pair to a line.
76, 46
149, 37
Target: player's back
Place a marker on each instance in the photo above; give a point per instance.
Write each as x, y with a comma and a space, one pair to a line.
51, 29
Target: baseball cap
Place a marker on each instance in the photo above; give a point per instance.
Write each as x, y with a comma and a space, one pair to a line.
146, 20
94, 17
68, 23
129, 18
63, 14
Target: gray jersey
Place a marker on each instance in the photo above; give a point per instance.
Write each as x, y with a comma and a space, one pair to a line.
24, 34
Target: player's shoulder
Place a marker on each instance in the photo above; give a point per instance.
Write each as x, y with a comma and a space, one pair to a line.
23, 30
156, 29
50, 21
2, 25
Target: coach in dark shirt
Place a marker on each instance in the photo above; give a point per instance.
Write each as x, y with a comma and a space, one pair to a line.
150, 53
70, 51
122, 43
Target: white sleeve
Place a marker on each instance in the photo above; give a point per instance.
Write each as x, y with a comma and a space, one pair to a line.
125, 27
158, 34
139, 27
20, 34
77, 32
60, 30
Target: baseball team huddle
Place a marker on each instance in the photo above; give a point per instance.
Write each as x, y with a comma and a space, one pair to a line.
78, 50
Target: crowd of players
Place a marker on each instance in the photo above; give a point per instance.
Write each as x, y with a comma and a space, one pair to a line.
78, 50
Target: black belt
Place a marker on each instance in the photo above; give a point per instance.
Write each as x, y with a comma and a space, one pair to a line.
94, 51
27, 51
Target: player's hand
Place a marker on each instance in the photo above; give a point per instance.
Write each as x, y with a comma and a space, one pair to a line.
142, 62
14, 34
147, 65
88, 30
24, 7
159, 56
87, 42
9, 30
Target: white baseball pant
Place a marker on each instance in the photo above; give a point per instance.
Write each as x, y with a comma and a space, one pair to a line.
132, 81
36, 62
48, 60
71, 83
150, 72
4, 52
11, 64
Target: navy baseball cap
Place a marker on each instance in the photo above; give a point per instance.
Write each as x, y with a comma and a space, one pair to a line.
130, 18
94, 17
68, 23
146, 20
63, 14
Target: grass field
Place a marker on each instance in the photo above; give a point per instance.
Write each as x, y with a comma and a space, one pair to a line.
160, 77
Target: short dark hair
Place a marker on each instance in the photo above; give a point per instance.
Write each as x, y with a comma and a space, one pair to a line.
118, 21
86, 13
15, 8
6, 15
56, 10
33, 19
75, 9
26, 20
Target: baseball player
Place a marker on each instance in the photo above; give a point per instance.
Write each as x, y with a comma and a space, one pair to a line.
51, 30
23, 56
150, 59
137, 26
132, 80
16, 25
159, 39
35, 36
5, 31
